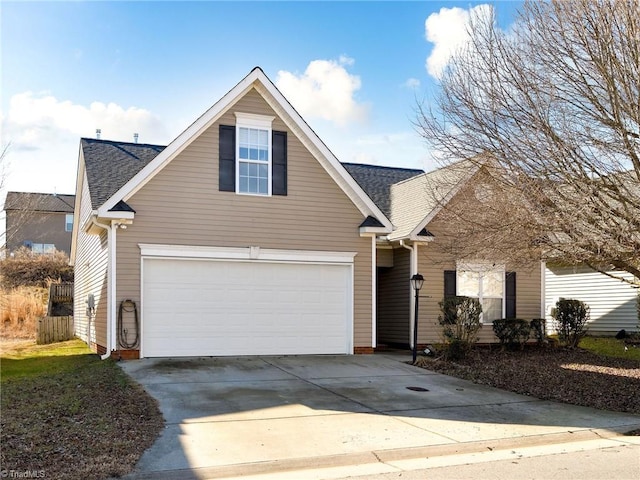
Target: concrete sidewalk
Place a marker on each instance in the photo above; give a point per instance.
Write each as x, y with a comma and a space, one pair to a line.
231, 417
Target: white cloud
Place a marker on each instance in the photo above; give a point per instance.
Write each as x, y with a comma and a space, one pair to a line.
325, 90
412, 83
44, 135
447, 30
35, 121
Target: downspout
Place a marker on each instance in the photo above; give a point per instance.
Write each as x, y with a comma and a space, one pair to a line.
111, 297
374, 293
413, 269
543, 290
110, 237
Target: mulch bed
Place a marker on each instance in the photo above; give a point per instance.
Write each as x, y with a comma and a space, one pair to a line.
573, 376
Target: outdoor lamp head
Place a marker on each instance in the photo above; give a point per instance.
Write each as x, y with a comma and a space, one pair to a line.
416, 281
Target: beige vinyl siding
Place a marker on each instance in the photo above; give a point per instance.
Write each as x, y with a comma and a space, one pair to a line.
181, 205
90, 277
394, 300
433, 261
612, 302
384, 257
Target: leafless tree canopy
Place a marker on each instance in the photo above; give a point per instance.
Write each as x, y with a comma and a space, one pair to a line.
555, 104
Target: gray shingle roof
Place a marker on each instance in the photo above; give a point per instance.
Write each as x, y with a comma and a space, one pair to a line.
376, 181
40, 202
109, 165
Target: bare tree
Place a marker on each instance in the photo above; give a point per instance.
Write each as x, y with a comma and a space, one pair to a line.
551, 112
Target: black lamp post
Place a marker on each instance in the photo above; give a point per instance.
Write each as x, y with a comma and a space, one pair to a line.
416, 282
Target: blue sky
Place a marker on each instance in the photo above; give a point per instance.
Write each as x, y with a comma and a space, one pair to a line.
354, 70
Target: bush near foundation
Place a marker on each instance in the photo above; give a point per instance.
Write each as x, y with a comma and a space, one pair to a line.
460, 321
512, 332
571, 317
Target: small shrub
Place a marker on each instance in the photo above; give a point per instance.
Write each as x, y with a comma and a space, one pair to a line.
539, 330
28, 269
512, 332
571, 317
460, 321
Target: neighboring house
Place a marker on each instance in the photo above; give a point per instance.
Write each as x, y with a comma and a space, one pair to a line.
245, 236
613, 303
42, 222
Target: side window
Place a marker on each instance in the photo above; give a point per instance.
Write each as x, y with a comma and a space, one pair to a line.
68, 222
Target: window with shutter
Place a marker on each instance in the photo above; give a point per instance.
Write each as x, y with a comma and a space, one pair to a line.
253, 158
489, 284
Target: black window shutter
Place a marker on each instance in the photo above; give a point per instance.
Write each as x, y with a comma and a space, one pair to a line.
510, 292
279, 163
227, 163
449, 283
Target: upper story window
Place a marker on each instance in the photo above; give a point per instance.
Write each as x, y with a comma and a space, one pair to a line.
252, 157
253, 154
68, 222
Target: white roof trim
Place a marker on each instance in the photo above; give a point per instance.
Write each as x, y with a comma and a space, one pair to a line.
80, 179
337, 172
331, 164
252, 253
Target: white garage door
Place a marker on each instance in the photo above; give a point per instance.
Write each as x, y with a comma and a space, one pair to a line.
196, 307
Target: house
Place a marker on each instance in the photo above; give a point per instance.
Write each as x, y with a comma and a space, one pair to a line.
245, 235
42, 222
613, 303
416, 206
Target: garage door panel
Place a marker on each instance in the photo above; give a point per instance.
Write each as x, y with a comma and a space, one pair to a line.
210, 307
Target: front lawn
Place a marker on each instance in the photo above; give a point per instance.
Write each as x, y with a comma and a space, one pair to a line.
611, 347
68, 414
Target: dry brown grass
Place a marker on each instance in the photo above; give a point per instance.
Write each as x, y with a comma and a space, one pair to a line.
19, 309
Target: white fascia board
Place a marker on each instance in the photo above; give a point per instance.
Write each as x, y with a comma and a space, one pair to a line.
421, 238
116, 215
253, 253
326, 158
80, 179
180, 142
367, 231
337, 172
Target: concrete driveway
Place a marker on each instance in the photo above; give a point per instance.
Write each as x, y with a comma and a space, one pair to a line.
228, 417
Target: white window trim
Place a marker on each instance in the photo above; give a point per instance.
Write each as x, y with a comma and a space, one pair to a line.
479, 267
261, 122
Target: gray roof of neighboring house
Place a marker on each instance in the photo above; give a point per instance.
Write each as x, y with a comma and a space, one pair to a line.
40, 202
109, 165
376, 181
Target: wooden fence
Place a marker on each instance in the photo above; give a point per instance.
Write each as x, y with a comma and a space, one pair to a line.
60, 299
54, 329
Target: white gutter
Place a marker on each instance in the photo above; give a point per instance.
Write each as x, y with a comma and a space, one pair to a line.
543, 290
413, 269
108, 228
374, 292
111, 295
